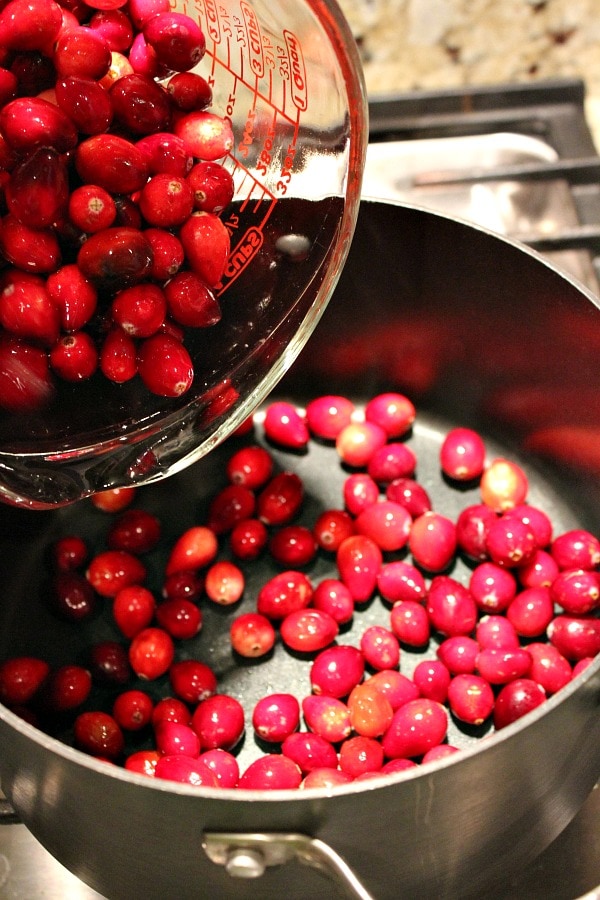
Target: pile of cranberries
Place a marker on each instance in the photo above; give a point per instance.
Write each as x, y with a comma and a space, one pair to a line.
111, 245
518, 628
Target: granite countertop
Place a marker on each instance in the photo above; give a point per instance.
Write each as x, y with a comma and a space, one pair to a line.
427, 44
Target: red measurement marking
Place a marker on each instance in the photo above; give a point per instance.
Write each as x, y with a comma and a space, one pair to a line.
213, 27
255, 42
297, 71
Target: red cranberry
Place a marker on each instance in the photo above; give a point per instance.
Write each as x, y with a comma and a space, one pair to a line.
280, 499
248, 539
165, 366
451, 607
113, 499
206, 135
185, 770
109, 663
498, 666
358, 441
515, 700
29, 25
360, 491
189, 91
132, 710
69, 553
67, 688
74, 357
192, 681
74, 296
111, 570
293, 545
205, 241
472, 527
276, 716
250, 466
177, 40
143, 762
133, 609
417, 726
396, 687
331, 528
283, 594
183, 586
98, 734
328, 717
211, 183
151, 653
309, 751
252, 635
575, 637
308, 630
195, 548
537, 520
333, 597
360, 755
180, 618
380, 648
391, 462
223, 765
177, 739
28, 123
470, 698
409, 494
492, 587
136, 531
224, 583
72, 597
432, 541
325, 778
82, 52
510, 542
576, 591
219, 722
358, 561
549, 667
112, 162
539, 571
388, 524
410, 623
36, 192
459, 654
531, 612
170, 709
21, 678
118, 356
271, 772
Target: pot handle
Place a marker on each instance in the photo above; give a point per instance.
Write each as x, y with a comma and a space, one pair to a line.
248, 855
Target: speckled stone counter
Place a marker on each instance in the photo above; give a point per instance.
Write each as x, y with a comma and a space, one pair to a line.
426, 44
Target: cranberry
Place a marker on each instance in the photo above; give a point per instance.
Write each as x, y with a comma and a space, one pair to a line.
391, 411
170, 709
410, 623
331, 528
276, 716
165, 366
401, 765
87, 104
396, 687
82, 52
73, 295
223, 765
409, 494
336, 670
548, 667
451, 607
293, 545
271, 772
183, 585
112, 162
432, 541
72, 597
575, 637
325, 778
539, 571
391, 462
29, 25
37, 190
576, 591
30, 249
113, 24
98, 734
400, 580
308, 630
358, 441
459, 654
176, 39
470, 698
285, 426
328, 717
21, 678
113, 499
115, 256
27, 311
496, 631
192, 681
388, 524
140, 11
510, 542
360, 755
416, 727
118, 356
358, 561
74, 357
28, 123
185, 770
576, 549
380, 647
252, 635
219, 722
180, 618
515, 700
333, 597
370, 710
531, 611
135, 531
205, 241
439, 752
69, 553
111, 570
167, 255
472, 527
283, 594
462, 454
537, 520
248, 539
360, 491
206, 135
224, 583
151, 653
195, 548
432, 678
177, 739
143, 762
326, 416
132, 710
492, 587
189, 91
498, 666
250, 466
133, 609
309, 751
139, 310
280, 499
503, 485
66, 688
141, 106
109, 664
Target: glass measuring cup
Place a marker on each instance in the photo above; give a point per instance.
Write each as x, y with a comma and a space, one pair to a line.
287, 74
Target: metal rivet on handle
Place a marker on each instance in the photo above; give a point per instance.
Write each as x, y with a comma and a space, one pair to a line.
245, 863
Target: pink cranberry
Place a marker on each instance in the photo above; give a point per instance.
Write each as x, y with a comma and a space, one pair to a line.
326, 416
174, 738
496, 631
539, 571
472, 527
409, 494
333, 597
531, 611
549, 667
224, 582
275, 717
510, 542
358, 441
417, 726
575, 637
459, 654
309, 751
336, 670
285, 426
576, 549
439, 752
360, 755
390, 462
400, 580
432, 679
515, 700
499, 666
223, 765
360, 491
391, 411
462, 454
252, 635
537, 520
397, 688
410, 623
388, 524
492, 587
185, 770
326, 778
380, 648
576, 591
